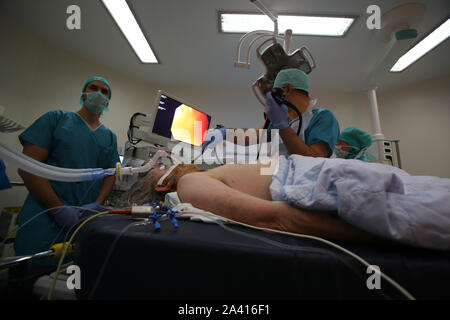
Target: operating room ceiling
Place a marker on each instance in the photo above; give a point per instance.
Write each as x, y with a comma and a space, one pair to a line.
192, 52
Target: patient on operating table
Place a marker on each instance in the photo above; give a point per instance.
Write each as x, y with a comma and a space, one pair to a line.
334, 199
239, 192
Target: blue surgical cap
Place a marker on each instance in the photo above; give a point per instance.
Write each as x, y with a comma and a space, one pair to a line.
356, 137
96, 79
296, 77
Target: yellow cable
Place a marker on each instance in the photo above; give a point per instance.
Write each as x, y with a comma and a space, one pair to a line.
118, 170
58, 249
66, 246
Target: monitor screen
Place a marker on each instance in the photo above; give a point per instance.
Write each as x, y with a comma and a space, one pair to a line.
179, 121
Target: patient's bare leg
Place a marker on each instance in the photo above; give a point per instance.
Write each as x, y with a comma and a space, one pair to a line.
210, 193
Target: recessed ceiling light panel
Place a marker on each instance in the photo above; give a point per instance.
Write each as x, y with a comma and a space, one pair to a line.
121, 13
333, 26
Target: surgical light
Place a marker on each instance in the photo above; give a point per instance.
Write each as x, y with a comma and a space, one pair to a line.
124, 18
427, 44
299, 24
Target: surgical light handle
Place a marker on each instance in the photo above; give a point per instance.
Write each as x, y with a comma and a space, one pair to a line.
246, 64
287, 43
265, 33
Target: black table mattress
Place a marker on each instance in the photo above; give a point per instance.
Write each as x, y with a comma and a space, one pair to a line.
205, 261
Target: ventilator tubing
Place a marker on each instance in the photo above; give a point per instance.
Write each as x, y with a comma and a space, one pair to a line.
149, 165
51, 172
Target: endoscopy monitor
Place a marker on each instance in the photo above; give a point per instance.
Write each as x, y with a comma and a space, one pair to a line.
175, 119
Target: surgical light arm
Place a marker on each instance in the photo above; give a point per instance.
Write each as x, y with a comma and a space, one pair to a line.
262, 34
268, 12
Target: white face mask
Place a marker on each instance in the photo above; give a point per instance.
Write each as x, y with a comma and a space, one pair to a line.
340, 153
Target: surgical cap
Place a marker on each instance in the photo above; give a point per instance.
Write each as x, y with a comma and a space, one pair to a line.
297, 78
356, 137
96, 79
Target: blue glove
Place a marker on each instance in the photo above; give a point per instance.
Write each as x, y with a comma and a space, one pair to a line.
211, 136
277, 114
90, 209
66, 216
94, 206
4, 181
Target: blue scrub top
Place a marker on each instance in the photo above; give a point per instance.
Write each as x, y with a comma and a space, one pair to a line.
323, 127
71, 144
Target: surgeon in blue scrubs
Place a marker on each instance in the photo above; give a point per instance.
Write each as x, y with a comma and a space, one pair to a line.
69, 140
320, 129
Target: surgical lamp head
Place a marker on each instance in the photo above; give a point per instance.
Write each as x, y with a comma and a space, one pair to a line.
275, 60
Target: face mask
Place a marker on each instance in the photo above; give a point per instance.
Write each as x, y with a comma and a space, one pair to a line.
340, 153
354, 152
96, 102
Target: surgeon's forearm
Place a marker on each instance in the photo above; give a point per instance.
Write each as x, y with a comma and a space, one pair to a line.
296, 146
106, 188
41, 189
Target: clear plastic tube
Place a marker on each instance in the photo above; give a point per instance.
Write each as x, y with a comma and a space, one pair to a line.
41, 163
108, 256
149, 165
50, 172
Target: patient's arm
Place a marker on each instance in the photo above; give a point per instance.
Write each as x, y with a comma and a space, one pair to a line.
246, 201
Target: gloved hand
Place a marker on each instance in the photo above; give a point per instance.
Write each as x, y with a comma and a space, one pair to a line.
4, 181
277, 114
94, 206
66, 216
90, 209
212, 137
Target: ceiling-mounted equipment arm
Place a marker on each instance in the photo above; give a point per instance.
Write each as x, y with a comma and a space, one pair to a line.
268, 12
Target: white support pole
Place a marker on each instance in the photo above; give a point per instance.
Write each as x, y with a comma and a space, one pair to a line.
377, 136
375, 116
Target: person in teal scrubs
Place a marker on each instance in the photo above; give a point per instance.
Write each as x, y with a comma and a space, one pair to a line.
352, 144
69, 140
320, 129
